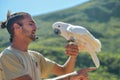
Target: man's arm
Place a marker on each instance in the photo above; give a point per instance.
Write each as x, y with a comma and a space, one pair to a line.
66, 68
76, 75
25, 77
72, 51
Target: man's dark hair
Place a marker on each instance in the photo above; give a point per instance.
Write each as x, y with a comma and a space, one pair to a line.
11, 19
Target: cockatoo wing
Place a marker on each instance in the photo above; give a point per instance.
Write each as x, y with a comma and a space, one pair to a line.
82, 35
85, 40
77, 29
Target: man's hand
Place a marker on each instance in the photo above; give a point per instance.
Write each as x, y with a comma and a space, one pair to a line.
72, 50
76, 75
82, 74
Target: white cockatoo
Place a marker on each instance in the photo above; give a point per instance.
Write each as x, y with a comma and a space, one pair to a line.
81, 37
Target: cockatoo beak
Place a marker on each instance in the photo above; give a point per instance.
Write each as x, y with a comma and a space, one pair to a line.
57, 31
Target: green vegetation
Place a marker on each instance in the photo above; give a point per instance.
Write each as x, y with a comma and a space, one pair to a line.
100, 17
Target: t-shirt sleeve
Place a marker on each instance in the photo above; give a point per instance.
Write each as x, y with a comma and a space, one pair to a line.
12, 67
46, 65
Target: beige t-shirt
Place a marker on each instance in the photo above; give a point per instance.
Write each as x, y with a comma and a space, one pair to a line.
15, 63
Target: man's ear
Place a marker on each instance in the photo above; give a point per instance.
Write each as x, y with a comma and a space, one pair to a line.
16, 26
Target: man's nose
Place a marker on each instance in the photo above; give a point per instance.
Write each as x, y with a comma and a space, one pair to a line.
35, 27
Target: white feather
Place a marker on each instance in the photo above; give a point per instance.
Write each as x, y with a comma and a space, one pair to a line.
82, 37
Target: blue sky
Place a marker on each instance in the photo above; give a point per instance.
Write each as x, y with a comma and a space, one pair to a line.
35, 7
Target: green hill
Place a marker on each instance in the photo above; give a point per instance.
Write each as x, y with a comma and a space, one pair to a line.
100, 17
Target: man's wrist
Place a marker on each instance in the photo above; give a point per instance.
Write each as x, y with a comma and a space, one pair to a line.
73, 57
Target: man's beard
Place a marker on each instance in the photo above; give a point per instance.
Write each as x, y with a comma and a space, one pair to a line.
32, 37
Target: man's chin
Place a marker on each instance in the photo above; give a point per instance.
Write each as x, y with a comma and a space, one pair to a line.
33, 39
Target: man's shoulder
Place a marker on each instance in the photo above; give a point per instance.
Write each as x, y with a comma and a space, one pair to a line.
8, 52
5, 51
35, 53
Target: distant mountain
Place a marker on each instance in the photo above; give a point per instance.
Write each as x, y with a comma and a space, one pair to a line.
100, 17
92, 11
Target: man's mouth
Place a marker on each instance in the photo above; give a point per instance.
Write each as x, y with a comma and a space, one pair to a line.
33, 33
34, 36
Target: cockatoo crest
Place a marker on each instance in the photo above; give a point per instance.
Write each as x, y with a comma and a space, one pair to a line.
80, 36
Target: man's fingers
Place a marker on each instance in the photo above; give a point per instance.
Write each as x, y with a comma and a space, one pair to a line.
85, 70
90, 69
71, 50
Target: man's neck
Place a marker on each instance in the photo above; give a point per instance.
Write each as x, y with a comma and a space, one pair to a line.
20, 46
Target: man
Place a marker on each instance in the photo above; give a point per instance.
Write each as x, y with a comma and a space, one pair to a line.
19, 63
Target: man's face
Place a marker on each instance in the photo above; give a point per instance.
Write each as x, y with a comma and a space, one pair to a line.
29, 28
